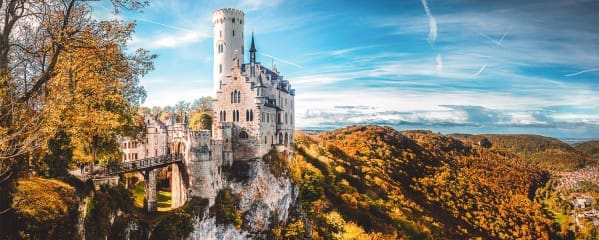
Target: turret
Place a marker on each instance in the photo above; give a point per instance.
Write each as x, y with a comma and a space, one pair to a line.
228, 43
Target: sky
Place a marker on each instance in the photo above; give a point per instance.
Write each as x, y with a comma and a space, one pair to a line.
450, 66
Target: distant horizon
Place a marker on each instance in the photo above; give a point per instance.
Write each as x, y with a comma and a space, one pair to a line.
473, 130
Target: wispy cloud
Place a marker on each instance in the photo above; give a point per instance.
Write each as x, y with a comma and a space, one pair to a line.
432, 22
581, 72
482, 68
171, 40
439, 65
165, 25
281, 60
252, 5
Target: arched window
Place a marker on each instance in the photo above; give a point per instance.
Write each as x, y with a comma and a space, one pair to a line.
232, 97
280, 138
247, 115
243, 135
224, 116
220, 116
238, 96
251, 115
286, 139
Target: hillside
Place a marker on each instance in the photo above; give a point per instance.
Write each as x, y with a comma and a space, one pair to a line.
375, 182
548, 153
590, 148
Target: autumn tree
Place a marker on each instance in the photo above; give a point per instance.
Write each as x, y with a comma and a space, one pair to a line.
46, 42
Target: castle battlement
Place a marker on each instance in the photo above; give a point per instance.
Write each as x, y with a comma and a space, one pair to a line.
221, 15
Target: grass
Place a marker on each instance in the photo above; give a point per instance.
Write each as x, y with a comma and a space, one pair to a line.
557, 216
163, 197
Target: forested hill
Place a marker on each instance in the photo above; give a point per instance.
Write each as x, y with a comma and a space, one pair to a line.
375, 182
590, 148
548, 153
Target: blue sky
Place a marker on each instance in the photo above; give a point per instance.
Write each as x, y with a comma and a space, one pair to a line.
461, 65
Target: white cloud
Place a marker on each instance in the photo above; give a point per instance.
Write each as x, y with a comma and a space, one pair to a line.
175, 39
432, 22
439, 65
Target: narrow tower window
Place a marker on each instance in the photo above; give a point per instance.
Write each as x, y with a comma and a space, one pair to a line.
247, 115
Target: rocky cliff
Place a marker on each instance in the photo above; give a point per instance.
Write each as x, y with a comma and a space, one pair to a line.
255, 199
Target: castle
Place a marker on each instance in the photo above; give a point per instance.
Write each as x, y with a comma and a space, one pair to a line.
253, 113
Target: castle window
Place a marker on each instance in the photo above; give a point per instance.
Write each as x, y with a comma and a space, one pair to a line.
243, 135
232, 97
233, 33
224, 116
280, 138
247, 115
238, 96
279, 118
285, 118
251, 115
286, 139
264, 139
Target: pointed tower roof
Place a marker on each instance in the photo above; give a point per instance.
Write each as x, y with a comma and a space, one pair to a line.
253, 46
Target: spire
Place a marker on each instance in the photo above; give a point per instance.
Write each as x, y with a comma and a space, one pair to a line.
253, 50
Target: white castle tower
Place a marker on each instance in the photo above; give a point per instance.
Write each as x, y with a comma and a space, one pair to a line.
228, 42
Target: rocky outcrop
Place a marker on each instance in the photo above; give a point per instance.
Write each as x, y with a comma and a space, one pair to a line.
263, 200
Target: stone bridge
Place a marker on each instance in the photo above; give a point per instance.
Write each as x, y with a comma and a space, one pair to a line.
145, 166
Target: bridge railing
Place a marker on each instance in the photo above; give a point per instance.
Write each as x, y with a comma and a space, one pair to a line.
142, 164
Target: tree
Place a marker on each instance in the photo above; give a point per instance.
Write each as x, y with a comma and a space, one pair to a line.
43, 43
182, 108
200, 121
203, 104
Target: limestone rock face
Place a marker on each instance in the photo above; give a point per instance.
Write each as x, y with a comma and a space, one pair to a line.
263, 200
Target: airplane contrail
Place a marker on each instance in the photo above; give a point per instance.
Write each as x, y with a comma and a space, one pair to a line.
581, 72
164, 25
281, 60
481, 70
